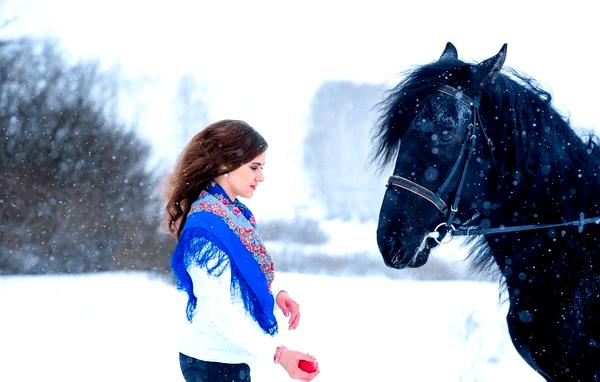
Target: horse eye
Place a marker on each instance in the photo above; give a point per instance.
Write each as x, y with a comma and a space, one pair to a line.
446, 137
425, 125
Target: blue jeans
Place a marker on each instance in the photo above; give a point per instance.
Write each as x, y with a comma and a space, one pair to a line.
195, 370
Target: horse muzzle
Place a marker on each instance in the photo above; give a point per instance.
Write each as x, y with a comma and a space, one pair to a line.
400, 254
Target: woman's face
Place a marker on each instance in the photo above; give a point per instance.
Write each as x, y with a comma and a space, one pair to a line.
243, 180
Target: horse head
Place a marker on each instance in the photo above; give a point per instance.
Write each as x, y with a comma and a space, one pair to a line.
433, 117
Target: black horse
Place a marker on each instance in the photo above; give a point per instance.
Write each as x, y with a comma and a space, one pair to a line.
481, 152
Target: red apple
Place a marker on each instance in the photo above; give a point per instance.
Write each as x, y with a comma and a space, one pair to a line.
309, 367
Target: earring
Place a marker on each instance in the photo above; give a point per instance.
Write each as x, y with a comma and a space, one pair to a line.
226, 175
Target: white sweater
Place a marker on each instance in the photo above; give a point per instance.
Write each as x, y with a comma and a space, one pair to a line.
221, 330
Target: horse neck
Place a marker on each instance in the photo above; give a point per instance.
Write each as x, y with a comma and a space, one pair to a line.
558, 181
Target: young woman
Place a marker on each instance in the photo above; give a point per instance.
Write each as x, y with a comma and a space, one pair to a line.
221, 262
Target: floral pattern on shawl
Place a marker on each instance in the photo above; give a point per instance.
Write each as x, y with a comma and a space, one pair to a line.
240, 220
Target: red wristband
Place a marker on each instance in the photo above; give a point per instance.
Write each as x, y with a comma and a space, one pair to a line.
279, 353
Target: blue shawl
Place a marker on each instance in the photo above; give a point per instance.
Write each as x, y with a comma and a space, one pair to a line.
218, 226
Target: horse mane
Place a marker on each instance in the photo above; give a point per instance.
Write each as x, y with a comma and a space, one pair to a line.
533, 140
529, 135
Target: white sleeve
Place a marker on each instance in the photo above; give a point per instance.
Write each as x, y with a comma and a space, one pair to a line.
276, 287
226, 311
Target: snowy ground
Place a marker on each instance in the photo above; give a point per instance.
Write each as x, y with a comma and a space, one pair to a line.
124, 327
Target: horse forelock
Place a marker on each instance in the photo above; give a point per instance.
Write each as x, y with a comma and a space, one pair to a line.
400, 104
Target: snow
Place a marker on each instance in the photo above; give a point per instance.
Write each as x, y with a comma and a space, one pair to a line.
338, 231
124, 327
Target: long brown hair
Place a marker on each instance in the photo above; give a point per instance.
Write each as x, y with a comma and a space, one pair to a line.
219, 148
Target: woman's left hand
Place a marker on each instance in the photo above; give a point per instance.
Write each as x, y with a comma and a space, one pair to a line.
289, 307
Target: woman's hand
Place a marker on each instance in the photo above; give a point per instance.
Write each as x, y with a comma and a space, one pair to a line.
289, 360
289, 307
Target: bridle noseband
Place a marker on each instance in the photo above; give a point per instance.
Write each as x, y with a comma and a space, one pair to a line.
474, 129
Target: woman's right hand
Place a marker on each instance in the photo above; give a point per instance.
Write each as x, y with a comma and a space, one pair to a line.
289, 360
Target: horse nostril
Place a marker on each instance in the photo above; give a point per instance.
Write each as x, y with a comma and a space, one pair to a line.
390, 245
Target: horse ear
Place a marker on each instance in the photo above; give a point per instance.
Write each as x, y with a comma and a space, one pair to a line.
450, 53
488, 70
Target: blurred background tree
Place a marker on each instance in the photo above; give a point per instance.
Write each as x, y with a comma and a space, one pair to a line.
75, 193
336, 151
191, 101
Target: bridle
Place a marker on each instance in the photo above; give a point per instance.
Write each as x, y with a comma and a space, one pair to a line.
467, 149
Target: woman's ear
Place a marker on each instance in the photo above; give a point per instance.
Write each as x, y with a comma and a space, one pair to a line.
224, 170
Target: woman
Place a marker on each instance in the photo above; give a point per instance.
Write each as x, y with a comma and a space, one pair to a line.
221, 262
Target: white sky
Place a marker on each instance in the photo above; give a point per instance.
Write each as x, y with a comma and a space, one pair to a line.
263, 60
